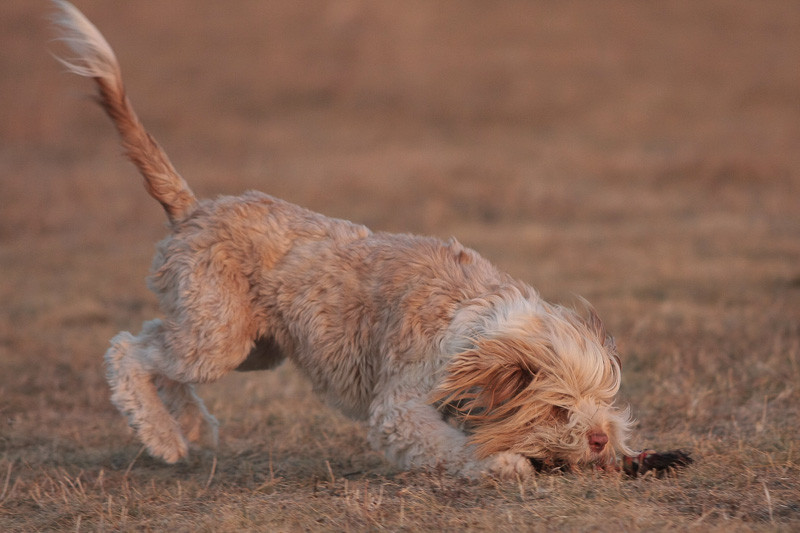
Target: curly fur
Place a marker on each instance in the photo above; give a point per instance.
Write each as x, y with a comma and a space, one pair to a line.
448, 360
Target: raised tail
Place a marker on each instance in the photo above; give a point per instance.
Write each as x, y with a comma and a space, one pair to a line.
95, 59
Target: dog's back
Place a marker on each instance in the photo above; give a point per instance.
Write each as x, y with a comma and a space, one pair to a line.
338, 299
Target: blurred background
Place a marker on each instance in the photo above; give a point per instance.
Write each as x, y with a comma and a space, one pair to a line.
645, 155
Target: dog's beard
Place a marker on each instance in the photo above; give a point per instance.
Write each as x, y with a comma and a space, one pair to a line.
567, 441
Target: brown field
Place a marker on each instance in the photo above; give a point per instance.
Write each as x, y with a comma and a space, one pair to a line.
644, 155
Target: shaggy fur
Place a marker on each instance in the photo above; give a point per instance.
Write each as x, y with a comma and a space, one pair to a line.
449, 361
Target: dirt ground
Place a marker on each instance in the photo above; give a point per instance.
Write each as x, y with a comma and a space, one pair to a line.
644, 155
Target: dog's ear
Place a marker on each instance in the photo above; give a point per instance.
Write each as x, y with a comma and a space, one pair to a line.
485, 381
491, 389
510, 371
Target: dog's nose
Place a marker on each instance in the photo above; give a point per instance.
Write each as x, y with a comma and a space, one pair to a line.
597, 441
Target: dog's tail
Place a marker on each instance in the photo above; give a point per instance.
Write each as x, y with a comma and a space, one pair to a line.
94, 58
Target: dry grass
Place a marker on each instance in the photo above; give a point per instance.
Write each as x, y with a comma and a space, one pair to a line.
645, 155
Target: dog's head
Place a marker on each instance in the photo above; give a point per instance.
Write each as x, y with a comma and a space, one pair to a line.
539, 380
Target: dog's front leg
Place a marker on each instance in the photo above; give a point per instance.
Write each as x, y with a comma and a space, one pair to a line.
413, 433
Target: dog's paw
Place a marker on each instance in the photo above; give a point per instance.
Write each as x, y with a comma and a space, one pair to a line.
508, 465
201, 429
164, 440
171, 450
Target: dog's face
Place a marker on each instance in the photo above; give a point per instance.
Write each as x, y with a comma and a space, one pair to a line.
542, 385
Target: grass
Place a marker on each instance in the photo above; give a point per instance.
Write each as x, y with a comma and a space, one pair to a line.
644, 156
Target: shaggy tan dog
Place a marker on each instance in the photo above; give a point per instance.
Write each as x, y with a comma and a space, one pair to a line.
449, 361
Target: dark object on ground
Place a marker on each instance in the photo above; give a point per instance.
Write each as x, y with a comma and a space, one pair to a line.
659, 462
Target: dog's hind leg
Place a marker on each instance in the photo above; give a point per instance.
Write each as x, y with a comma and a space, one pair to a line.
152, 375
131, 365
196, 423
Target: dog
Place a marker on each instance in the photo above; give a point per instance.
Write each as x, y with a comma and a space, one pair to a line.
451, 363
